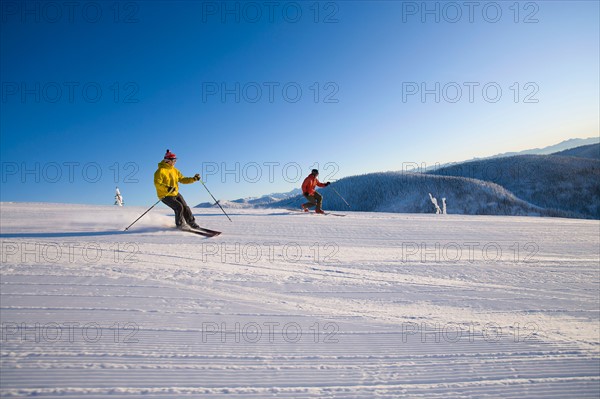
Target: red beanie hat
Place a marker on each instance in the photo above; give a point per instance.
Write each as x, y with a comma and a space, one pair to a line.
170, 155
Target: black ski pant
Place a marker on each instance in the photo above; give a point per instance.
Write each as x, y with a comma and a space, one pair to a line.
183, 213
314, 200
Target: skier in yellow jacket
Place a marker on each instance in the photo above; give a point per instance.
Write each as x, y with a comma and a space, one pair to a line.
166, 180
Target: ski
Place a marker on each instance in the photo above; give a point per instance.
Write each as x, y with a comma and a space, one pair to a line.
314, 213
202, 231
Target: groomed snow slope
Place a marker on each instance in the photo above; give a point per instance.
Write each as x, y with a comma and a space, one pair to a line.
293, 305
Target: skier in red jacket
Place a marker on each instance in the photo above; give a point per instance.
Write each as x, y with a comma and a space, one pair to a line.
308, 190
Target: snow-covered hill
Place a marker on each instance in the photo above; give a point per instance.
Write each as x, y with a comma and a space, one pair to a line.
568, 184
591, 151
293, 305
564, 184
533, 185
409, 193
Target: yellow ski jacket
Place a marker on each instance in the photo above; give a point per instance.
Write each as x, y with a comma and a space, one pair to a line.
169, 176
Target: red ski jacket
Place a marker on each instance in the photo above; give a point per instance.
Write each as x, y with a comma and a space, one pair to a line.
309, 184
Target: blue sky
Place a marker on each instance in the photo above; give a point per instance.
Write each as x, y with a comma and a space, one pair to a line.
252, 95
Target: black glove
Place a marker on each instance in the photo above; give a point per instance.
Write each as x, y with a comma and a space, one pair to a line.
196, 177
170, 189
328, 183
305, 194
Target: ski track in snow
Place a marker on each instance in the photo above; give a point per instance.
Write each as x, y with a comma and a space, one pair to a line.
292, 305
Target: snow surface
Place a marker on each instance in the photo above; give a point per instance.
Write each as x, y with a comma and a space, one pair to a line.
292, 305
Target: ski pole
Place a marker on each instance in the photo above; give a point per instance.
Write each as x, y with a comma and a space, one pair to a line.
143, 214
217, 202
335, 191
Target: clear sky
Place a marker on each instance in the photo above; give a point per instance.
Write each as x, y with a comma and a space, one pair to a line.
252, 95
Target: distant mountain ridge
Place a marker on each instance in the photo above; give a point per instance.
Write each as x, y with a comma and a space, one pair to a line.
553, 149
253, 202
562, 146
591, 151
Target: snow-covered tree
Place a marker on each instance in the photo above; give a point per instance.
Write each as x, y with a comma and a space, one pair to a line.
435, 204
118, 198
